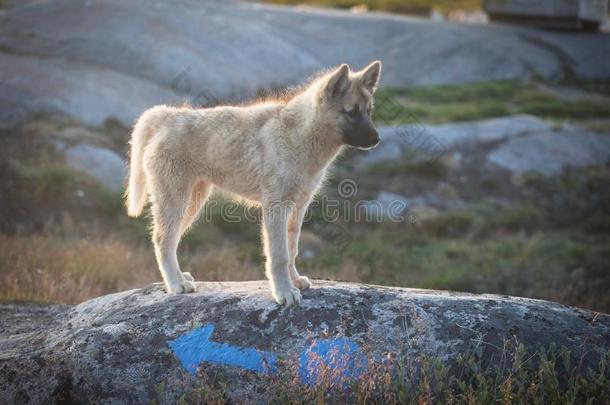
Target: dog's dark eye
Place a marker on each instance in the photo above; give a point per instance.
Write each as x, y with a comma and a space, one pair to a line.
353, 113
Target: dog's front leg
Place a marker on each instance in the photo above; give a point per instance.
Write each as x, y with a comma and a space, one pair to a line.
275, 238
294, 231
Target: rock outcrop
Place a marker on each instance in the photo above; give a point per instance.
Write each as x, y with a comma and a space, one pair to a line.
521, 143
550, 153
122, 347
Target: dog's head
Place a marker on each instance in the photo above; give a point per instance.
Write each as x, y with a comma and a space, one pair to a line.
346, 101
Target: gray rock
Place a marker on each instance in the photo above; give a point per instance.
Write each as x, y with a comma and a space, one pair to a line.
112, 58
122, 347
589, 10
551, 152
432, 141
105, 165
385, 206
90, 93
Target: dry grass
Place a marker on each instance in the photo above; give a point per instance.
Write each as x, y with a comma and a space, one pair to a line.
48, 268
55, 268
223, 263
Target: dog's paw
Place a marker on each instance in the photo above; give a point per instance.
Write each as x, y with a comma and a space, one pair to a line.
302, 282
183, 288
289, 296
187, 276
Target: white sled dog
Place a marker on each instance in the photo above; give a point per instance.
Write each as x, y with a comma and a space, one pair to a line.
273, 153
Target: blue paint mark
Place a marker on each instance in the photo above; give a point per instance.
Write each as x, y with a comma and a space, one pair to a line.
196, 347
336, 360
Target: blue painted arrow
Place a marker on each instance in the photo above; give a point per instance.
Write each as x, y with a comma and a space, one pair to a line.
335, 360
196, 347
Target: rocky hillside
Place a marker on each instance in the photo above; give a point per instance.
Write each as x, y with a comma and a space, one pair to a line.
99, 59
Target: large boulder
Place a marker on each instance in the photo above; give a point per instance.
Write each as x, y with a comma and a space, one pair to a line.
123, 347
550, 152
103, 164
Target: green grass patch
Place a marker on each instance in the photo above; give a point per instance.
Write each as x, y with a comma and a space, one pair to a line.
411, 164
563, 109
54, 178
465, 92
449, 103
556, 266
580, 199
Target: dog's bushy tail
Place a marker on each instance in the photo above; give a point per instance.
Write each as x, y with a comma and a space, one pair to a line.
136, 193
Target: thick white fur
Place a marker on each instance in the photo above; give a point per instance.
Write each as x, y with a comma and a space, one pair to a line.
272, 153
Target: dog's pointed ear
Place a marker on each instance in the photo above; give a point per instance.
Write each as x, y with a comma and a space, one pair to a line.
370, 75
337, 83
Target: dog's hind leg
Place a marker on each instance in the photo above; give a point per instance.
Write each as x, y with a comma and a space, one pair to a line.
169, 206
199, 194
